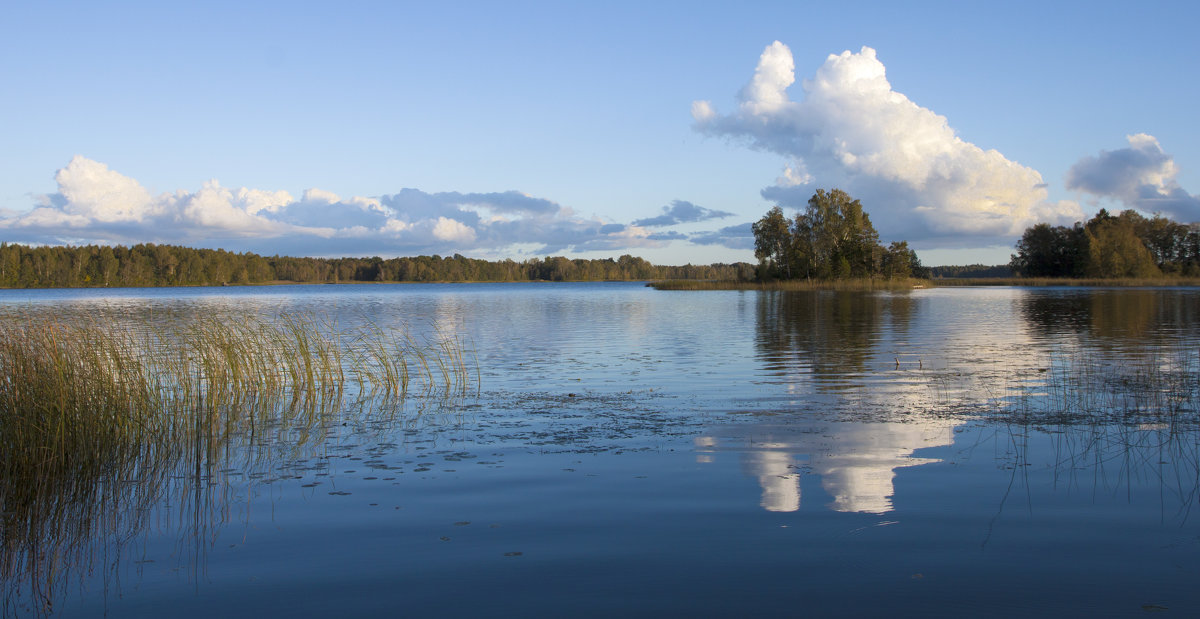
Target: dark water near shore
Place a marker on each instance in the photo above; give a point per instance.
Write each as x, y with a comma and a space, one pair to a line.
635, 452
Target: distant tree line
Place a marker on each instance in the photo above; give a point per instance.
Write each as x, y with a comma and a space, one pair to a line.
971, 271
168, 265
1127, 245
832, 239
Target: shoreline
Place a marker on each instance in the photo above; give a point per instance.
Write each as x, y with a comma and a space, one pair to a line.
699, 284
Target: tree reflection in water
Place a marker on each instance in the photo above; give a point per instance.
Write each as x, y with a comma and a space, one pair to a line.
1110, 378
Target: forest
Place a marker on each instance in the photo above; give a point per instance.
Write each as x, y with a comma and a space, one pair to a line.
148, 264
1127, 245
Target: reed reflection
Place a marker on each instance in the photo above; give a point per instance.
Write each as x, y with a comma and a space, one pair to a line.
1151, 467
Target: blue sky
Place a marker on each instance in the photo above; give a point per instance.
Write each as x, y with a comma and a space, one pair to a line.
518, 129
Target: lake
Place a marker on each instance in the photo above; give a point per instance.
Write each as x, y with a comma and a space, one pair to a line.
626, 451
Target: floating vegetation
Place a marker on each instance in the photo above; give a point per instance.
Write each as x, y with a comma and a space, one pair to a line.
98, 416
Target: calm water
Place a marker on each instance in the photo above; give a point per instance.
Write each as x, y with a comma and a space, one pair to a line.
635, 452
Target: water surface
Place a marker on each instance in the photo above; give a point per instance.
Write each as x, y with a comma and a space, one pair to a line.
637, 452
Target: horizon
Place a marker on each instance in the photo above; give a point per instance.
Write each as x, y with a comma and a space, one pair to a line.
660, 132
449, 256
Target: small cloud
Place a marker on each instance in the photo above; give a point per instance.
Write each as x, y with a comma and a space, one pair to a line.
320, 196
667, 235
702, 111
454, 231
680, 212
733, 237
794, 174
1141, 176
612, 228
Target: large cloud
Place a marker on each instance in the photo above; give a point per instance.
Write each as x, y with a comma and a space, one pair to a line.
915, 176
94, 204
1141, 176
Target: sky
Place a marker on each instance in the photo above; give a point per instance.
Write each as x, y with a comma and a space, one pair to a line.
524, 129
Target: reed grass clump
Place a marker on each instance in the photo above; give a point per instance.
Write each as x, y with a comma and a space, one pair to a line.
97, 413
77, 392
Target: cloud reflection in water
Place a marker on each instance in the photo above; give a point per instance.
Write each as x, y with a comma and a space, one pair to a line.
856, 461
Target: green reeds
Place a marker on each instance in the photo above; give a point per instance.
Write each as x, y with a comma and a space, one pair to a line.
97, 412
76, 389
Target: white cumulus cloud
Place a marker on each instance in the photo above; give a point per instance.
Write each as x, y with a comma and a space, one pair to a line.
850, 130
1141, 176
90, 191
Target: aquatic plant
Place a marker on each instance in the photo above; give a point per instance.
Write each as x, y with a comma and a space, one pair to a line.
1158, 385
97, 412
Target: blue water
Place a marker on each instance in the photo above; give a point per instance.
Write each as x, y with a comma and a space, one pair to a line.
635, 452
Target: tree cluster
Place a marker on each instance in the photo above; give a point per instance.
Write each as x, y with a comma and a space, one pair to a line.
167, 265
832, 239
1127, 245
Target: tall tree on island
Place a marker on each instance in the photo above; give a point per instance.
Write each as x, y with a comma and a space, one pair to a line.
773, 244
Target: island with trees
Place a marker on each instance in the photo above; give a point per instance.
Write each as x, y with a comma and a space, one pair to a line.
832, 239
1124, 246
